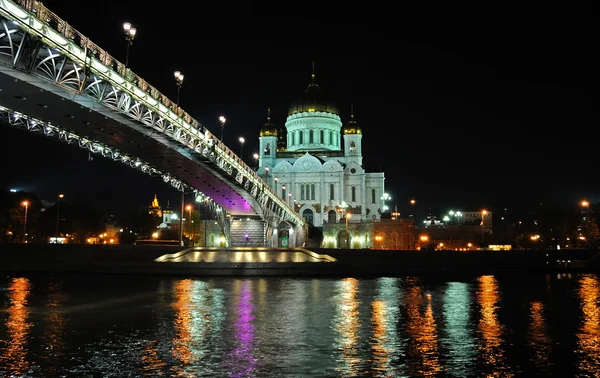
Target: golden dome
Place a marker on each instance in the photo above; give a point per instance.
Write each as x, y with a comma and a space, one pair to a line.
312, 101
268, 129
351, 127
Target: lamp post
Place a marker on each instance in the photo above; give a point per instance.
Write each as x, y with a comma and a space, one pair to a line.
384, 198
242, 141
57, 215
181, 218
483, 214
26, 204
179, 80
282, 189
348, 215
255, 156
585, 204
130, 33
189, 209
222, 120
276, 180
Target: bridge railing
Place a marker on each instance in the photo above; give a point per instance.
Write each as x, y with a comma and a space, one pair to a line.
47, 16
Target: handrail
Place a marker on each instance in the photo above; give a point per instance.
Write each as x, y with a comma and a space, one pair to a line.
47, 16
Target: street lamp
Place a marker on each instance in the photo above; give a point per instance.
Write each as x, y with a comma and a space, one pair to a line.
255, 156
26, 204
222, 120
483, 214
385, 197
242, 141
282, 189
585, 204
276, 180
57, 215
179, 80
189, 209
130, 32
348, 215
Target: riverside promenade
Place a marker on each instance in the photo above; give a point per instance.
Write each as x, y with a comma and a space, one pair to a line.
131, 259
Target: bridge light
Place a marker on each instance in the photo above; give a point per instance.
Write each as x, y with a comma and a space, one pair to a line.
222, 120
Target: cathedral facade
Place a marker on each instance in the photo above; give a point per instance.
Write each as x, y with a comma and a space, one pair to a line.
317, 164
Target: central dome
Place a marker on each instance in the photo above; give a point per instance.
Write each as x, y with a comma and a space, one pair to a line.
312, 101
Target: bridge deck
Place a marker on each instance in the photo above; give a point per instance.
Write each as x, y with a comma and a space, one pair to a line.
91, 120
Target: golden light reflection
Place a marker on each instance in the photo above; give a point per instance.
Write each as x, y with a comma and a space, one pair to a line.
347, 325
384, 319
55, 325
151, 362
490, 329
423, 345
14, 357
588, 337
183, 322
539, 341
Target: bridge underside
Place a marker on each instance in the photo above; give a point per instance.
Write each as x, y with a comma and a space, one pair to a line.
85, 118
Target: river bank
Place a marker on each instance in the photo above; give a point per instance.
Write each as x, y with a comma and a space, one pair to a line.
130, 259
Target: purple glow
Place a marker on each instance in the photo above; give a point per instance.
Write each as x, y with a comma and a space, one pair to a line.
243, 360
246, 236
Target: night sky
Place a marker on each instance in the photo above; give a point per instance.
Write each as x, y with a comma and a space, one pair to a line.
463, 108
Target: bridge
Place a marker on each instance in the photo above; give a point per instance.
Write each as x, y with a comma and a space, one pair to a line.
56, 82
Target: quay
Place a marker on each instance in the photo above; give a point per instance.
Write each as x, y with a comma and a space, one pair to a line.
185, 261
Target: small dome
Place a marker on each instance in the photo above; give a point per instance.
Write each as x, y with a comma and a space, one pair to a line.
312, 101
268, 129
352, 126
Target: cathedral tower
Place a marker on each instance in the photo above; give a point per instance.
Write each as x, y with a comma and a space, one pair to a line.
267, 143
353, 140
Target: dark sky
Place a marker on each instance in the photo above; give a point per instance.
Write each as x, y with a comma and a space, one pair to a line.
464, 108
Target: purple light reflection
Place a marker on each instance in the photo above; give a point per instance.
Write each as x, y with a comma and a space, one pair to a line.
243, 361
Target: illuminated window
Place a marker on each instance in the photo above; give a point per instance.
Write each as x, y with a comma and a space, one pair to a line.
268, 149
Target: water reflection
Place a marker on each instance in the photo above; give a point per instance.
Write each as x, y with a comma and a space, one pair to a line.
539, 341
423, 351
152, 364
491, 331
242, 356
55, 324
14, 359
458, 338
347, 325
588, 337
385, 343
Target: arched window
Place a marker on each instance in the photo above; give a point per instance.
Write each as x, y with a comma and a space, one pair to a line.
354, 194
373, 196
308, 215
331, 216
312, 192
331, 137
352, 146
322, 137
331, 192
302, 191
301, 139
268, 149
311, 137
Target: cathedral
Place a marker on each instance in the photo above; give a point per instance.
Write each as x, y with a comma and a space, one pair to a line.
317, 164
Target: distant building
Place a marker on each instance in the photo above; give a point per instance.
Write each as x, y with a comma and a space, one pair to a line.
154, 208
168, 217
